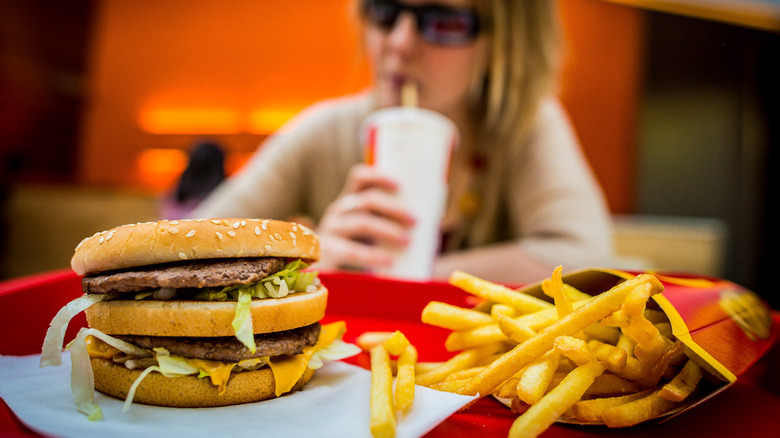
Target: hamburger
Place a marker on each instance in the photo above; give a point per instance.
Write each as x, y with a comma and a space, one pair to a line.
196, 313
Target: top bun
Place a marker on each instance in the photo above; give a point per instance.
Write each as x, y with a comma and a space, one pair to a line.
166, 241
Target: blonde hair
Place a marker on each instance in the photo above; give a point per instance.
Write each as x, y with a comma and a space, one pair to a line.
524, 44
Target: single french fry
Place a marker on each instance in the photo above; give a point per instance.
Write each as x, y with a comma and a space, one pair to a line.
589, 411
603, 333
611, 385
464, 359
553, 288
405, 380
637, 411
507, 389
605, 385
683, 384
464, 374
575, 294
497, 293
463, 339
650, 344
382, 420
656, 370
426, 367
575, 349
513, 329
537, 377
614, 357
452, 317
368, 340
396, 343
588, 313
501, 310
542, 414
626, 343
449, 385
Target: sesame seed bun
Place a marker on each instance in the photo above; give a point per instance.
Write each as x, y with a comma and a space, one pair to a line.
204, 318
165, 241
187, 391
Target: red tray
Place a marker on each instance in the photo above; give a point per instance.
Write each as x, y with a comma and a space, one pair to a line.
750, 406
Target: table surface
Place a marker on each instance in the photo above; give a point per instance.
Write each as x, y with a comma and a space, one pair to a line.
750, 406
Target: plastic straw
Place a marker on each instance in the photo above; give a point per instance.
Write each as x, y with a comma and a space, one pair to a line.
409, 94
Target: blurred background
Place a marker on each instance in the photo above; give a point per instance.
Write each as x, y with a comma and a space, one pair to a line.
675, 103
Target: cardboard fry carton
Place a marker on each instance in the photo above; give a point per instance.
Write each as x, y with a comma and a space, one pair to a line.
725, 327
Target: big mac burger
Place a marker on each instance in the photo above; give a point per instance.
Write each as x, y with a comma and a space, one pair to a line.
196, 313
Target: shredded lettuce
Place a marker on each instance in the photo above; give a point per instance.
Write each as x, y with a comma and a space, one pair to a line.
242, 322
337, 350
173, 366
289, 279
82, 380
51, 352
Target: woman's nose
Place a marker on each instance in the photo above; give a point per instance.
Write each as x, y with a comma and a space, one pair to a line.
403, 36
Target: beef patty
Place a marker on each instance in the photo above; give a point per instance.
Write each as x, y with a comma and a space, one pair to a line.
196, 274
230, 349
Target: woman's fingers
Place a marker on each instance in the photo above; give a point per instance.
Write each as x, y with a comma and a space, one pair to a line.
363, 176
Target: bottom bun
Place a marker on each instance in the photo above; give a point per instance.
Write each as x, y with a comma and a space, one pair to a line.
187, 391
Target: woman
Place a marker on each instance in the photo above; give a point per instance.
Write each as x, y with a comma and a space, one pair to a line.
522, 198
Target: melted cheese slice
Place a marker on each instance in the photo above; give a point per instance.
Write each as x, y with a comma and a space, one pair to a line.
288, 371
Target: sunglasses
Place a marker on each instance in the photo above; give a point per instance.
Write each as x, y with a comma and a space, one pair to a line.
436, 23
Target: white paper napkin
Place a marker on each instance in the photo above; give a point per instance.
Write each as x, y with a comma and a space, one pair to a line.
335, 403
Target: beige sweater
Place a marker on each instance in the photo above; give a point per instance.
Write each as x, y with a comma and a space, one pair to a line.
538, 192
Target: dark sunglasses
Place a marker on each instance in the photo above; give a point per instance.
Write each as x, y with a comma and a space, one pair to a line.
436, 23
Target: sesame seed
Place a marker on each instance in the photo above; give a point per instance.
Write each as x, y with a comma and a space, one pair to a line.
173, 231
243, 223
174, 222
265, 226
237, 224
110, 235
215, 221
102, 239
191, 233
268, 247
219, 235
293, 236
278, 236
182, 256
257, 231
231, 233
295, 228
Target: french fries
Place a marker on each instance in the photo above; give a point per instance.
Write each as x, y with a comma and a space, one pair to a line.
544, 413
382, 422
384, 402
605, 359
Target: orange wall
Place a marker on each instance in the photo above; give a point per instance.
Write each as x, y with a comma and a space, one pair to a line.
253, 56
152, 59
600, 87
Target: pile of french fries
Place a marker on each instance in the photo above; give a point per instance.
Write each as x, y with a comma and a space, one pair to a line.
606, 359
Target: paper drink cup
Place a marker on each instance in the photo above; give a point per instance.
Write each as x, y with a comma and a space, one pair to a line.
414, 146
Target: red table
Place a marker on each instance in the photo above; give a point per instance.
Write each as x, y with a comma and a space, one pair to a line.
750, 407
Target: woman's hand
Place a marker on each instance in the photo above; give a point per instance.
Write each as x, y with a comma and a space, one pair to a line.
365, 224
